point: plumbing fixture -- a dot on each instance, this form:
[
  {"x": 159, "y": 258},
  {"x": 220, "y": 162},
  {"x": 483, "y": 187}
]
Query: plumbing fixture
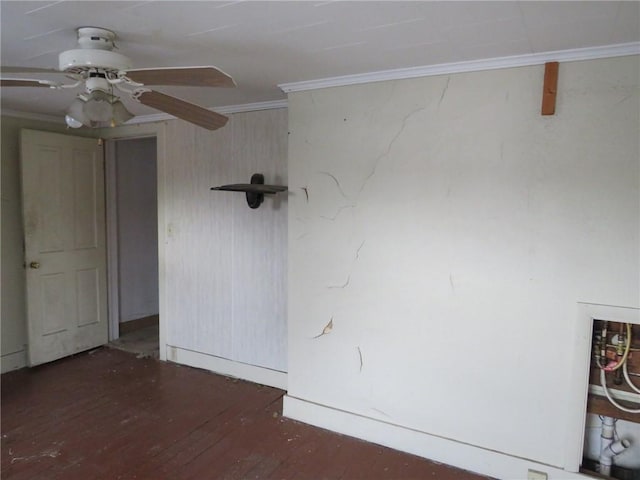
[
  {"x": 609, "y": 447},
  {"x": 616, "y": 363}
]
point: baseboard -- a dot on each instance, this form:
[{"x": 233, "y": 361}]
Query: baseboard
[
  {"x": 13, "y": 361},
  {"x": 223, "y": 366},
  {"x": 439, "y": 449}
]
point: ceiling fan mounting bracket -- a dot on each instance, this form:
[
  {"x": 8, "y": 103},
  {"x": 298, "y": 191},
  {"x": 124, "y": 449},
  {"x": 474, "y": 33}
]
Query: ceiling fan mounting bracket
[{"x": 96, "y": 38}]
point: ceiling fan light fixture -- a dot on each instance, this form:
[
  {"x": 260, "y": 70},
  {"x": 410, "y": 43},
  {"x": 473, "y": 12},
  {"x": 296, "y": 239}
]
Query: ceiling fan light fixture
[
  {"x": 96, "y": 110},
  {"x": 72, "y": 122},
  {"x": 75, "y": 117},
  {"x": 120, "y": 114}
]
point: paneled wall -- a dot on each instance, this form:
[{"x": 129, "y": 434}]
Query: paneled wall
[
  {"x": 225, "y": 264},
  {"x": 447, "y": 231}
]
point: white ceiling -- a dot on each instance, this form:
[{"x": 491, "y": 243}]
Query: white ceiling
[{"x": 265, "y": 43}]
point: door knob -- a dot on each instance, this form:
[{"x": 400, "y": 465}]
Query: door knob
[{"x": 34, "y": 265}]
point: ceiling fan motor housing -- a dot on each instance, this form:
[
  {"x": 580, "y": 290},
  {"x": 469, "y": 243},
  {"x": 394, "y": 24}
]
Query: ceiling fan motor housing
[
  {"x": 78, "y": 61},
  {"x": 95, "y": 52}
]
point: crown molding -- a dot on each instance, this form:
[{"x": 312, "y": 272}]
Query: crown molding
[
  {"x": 573, "y": 55},
  {"x": 226, "y": 110},
  {"x": 7, "y": 112},
  {"x": 155, "y": 117},
  {"x": 253, "y": 107}
]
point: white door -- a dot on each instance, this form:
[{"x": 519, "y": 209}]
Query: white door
[{"x": 65, "y": 253}]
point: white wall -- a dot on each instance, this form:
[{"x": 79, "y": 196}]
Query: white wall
[
  {"x": 225, "y": 264},
  {"x": 12, "y": 304},
  {"x": 137, "y": 224},
  {"x": 449, "y": 230}
]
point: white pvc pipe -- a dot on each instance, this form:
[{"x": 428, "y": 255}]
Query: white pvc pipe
[
  {"x": 608, "y": 447},
  {"x": 608, "y": 427},
  {"x": 610, "y": 451}
]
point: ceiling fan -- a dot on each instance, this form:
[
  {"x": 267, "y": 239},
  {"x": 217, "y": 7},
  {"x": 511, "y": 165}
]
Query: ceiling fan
[{"x": 101, "y": 71}]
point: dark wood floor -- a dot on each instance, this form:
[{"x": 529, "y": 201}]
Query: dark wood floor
[{"x": 109, "y": 415}]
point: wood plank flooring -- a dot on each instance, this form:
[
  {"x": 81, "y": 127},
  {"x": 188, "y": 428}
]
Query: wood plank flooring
[{"x": 109, "y": 415}]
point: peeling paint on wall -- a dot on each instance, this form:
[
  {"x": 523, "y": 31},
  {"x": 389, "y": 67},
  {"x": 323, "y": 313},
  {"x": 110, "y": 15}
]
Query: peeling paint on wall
[{"x": 327, "y": 329}]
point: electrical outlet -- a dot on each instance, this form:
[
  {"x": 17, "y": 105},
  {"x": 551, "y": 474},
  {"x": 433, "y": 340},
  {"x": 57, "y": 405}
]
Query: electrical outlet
[{"x": 536, "y": 475}]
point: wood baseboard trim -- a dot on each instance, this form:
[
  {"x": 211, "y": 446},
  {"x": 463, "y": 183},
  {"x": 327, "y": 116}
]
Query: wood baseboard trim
[
  {"x": 440, "y": 449},
  {"x": 13, "y": 361},
  {"x": 223, "y": 366}
]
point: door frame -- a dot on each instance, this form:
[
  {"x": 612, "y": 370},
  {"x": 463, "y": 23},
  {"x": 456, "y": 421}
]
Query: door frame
[{"x": 133, "y": 132}]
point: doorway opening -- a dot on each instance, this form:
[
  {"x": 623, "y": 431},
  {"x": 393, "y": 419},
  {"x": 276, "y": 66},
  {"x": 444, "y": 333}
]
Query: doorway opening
[{"x": 132, "y": 244}]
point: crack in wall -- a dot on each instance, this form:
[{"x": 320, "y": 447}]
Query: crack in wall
[
  {"x": 391, "y": 143},
  {"x": 444, "y": 91},
  {"x": 336, "y": 182},
  {"x": 344, "y": 285},
  {"x": 353, "y": 265},
  {"x": 380, "y": 412},
  {"x": 623, "y": 100},
  {"x": 361, "y": 361}
]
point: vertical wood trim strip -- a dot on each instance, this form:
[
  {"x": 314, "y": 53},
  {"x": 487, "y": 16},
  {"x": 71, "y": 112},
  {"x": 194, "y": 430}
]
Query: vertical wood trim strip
[
  {"x": 161, "y": 172},
  {"x": 112, "y": 239},
  {"x": 550, "y": 88}
]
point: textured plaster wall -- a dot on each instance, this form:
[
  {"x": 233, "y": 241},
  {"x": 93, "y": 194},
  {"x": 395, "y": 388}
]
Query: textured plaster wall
[{"x": 441, "y": 233}]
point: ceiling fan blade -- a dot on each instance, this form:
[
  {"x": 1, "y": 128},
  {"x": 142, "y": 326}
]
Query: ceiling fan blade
[
  {"x": 181, "y": 109},
  {"x": 19, "y": 82},
  {"x": 182, "y": 76},
  {"x": 6, "y": 69}
]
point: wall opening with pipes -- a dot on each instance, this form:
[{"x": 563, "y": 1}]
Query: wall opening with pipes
[{"x": 612, "y": 424}]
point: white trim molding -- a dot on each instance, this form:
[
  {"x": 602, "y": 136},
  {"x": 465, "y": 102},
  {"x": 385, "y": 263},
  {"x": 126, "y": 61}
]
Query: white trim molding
[
  {"x": 157, "y": 117},
  {"x": 440, "y": 449},
  {"x": 253, "y": 107},
  {"x": 573, "y": 55},
  {"x": 223, "y": 366},
  {"x": 113, "y": 296},
  {"x": 7, "y": 112},
  {"x": 13, "y": 361},
  {"x": 226, "y": 110}
]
